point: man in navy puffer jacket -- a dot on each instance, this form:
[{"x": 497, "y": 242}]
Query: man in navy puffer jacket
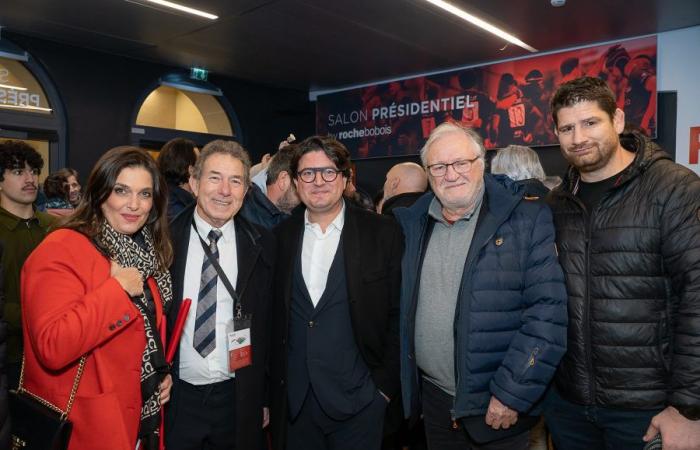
[{"x": 483, "y": 301}]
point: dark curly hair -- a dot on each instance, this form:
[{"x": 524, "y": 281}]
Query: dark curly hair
[
  {"x": 17, "y": 154},
  {"x": 334, "y": 150}
]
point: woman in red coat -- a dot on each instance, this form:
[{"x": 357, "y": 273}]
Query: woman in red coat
[{"x": 99, "y": 286}]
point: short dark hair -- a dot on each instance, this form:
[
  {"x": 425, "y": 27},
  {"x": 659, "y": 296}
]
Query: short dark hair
[
  {"x": 88, "y": 218},
  {"x": 55, "y": 186},
  {"x": 334, "y": 150},
  {"x": 175, "y": 159},
  {"x": 581, "y": 90},
  {"x": 16, "y": 154},
  {"x": 219, "y": 146},
  {"x": 281, "y": 162}
]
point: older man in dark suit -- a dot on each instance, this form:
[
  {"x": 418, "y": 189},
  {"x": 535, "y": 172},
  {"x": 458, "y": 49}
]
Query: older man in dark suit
[
  {"x": 218, "y": 393},
  {"x": 335, "y": 341}
]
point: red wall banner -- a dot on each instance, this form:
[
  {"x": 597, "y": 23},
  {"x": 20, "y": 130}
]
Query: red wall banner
[
  {"x": 508, "y": 102},
  {"x": 694, "y": 145}
]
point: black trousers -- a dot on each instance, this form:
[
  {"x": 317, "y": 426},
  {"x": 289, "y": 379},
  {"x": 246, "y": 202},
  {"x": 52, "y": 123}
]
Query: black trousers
[
  {"x": 201, "y": 417},
  {"x": 442, "y": 435},
  {"x": 313, "y": 429}
]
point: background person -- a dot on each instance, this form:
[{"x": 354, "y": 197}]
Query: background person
[
  {"x": 522, "y": 165},
  {"x": 22, "y": 228},
  {"x": 57, "y": 192},
  {"x": 275, "y": 204},
  {"x": 175, "y": 160},
  {"x": 405, "y": 183},
  {"x": 99, "y": 286},
  {"x": 73, "y": 185}
]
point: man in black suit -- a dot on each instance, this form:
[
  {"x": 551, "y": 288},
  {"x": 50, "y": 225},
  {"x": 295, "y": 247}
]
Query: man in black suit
[
  {"x": 335, "y": 340},
  {"x": 217, "y": 399}
]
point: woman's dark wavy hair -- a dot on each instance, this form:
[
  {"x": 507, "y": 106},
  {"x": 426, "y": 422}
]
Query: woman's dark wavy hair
[{"x": 88, "y": 218}]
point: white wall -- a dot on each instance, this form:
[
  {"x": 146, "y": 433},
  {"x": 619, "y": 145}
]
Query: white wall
[{"x": 678, "y": 67}]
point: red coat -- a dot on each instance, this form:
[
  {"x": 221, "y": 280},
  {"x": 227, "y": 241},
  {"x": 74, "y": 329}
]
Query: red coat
[{"x": 71, "y": 306}]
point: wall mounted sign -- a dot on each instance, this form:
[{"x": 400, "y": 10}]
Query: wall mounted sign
[{"x": 507, "y": 102}]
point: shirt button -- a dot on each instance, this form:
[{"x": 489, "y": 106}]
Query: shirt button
[
  {"x": 311, "y": 323},
  {"x": 410, "y": 356},
  {"x": 119, "y": 323},
  {"x": 111, "y": 327},
  {"x": 126, "y": 317}
]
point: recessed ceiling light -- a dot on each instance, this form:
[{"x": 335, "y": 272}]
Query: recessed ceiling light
[
  {"x": 178, "y": 7},
  {"x": 481, "y": 24}
]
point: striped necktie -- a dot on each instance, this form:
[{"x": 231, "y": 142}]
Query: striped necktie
[{"x": 205, "y": 322}]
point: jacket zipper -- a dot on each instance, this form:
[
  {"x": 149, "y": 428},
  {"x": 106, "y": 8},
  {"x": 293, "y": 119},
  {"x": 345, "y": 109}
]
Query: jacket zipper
[
  {"x": 457, "y": 348},
  {"x": 588, "y": 351}
]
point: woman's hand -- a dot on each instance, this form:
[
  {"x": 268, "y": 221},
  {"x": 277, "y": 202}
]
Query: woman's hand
[
  {"x": 165, "y": 387},
  {"x": 129, "y": 278}
]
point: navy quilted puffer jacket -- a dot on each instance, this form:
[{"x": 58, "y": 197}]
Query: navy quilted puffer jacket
[{"x": 510, "y": 323}]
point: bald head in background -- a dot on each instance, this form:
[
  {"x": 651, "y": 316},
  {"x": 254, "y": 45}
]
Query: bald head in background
[{"x": 405, "y": 182}]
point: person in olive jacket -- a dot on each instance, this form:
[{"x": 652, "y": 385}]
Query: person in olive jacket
[
  {"x": 628, "y": 233},
  {"x": 4, "y": 409}
]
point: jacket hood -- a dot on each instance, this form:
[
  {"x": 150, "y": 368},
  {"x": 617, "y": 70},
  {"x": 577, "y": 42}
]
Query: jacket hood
[{"x": 501, "y": 194}]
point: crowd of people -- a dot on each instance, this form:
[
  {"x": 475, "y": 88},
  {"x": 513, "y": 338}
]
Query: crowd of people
[{"x": 198, "y": 302}]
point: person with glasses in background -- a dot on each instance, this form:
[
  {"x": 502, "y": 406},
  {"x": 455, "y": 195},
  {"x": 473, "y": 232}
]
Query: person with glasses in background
[
  {"x": 335, "y": 348},
  {"x": 483, "y": 301}
]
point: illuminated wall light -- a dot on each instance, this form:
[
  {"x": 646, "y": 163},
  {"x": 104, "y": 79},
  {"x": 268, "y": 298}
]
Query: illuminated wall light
[
  {"x": 9, "y": 86},
  {"x": 481, "y": 24},
  {"x": 183, "y": 8},
  {"x": 31, "y": 108}
]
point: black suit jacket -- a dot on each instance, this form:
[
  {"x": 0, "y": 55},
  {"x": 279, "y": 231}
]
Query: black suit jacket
[
  {"x": 256, "y": 255},
  {"x": 372, "y": 246}
]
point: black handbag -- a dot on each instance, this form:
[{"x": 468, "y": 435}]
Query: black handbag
[{"x": 37, "y": 424}]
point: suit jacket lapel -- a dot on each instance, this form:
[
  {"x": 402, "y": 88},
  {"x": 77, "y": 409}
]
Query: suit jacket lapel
[
  {"x": 247, "y": 251},
  {"x": 181, "y": 239},
  {"x": 350, "y": 240},
  {"x": 290, "y": 255}
]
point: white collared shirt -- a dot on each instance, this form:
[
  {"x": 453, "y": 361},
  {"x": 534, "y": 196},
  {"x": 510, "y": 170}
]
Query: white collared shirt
[
  {"x": 214, "y": 368},
  {"x": 317, "y": 253}
]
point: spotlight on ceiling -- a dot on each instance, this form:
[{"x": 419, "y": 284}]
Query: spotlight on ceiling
[
  {"x": 175, "y": 6},
  {"x": 481, "y": 23}
]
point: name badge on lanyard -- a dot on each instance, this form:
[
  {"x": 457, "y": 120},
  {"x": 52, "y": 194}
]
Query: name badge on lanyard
[
  {"x": 239, "y": 341},
  {"x": 240, "y": 344}
]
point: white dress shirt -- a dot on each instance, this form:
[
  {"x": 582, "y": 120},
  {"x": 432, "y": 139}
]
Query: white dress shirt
[
  {"x": 214, "y": 368},
  {"x": 317, "y": 253}
]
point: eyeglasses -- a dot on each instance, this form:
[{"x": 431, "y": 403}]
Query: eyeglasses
[
  {"x": 328, "y": 174},
  {"x": 461, "y": 166}
]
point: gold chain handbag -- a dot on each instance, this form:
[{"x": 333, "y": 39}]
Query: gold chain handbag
[{"x": 37, "y": 424}]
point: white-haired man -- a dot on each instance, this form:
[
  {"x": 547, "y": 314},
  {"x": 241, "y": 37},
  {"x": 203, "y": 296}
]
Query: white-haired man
[{"x": 483, "y": 304}]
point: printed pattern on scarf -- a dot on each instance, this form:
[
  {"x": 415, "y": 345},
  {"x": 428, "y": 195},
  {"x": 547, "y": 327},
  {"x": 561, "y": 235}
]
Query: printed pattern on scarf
[{"x": 126, "y": 251}]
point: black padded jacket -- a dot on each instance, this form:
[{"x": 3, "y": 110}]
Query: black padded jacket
[{"x": 632, "y": 268}]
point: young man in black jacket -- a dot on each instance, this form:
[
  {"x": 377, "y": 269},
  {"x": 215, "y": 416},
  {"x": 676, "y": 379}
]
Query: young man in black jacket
[{"x": 628, "y": 233}]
